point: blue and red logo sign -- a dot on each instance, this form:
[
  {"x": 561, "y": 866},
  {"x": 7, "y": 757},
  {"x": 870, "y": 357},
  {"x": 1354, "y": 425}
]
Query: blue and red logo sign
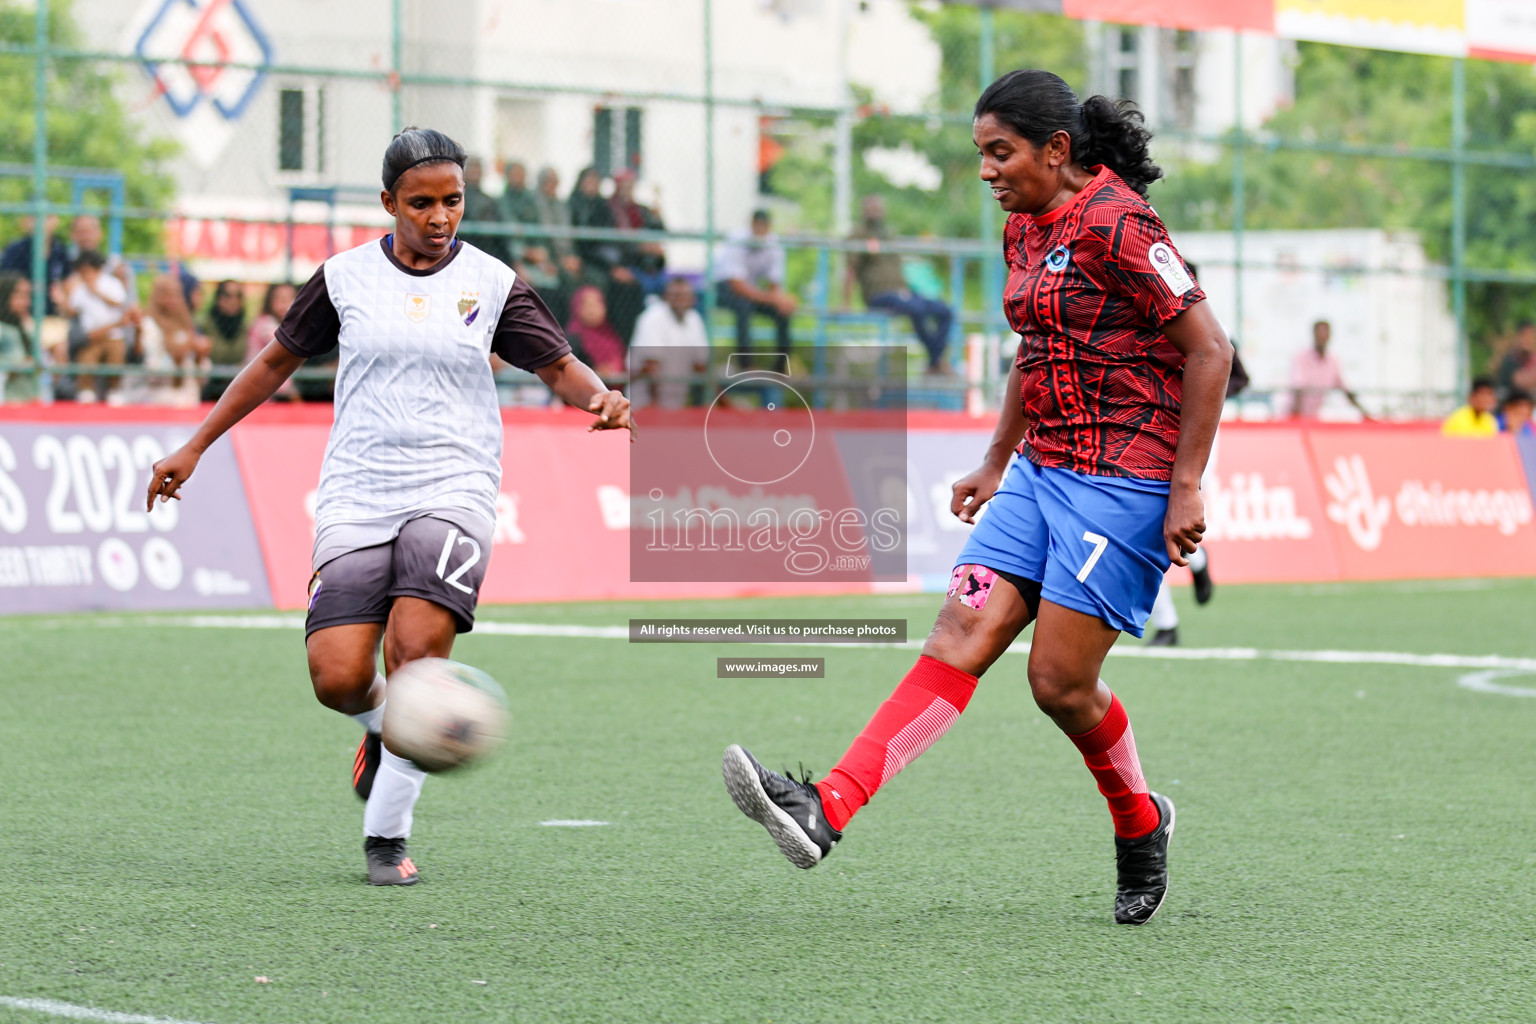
[{"x": 189, "y": 46}]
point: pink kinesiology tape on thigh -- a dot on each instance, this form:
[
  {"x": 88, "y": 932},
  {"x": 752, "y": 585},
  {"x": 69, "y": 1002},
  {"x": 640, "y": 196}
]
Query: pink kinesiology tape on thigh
[{"x": 971, "y": 585}]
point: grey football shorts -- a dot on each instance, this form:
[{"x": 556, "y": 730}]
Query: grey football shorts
[{"x": 432, "y": 558}]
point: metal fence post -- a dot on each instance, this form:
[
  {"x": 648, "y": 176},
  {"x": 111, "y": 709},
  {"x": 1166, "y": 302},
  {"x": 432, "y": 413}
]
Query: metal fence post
[
  {"x": 1459, "y": 220},
  {"x": 40, "y": 185},
  {"x": 1239, "y": 182},
  {"x": 991, "y": 290},
  {"x": 397, "y": 59},
  {"x": 709, "y": 167}
]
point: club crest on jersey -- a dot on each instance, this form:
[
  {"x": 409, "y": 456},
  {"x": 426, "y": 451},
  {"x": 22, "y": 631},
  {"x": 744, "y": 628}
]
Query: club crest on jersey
[
  {"x": 417, "y": 307},
  {"x": 1057, "y": 259},
  {"x": 469, "y": 306}
]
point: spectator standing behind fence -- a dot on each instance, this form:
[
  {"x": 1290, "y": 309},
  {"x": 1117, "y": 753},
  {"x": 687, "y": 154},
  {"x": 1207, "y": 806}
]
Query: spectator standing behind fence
[
  {"x": 883, "y": 285},
  {"x": 274, "y": 306},
  {"x": 99, "y": 304},
  {"x": 17, "y": 258},
  {"x": 480, "y": 207},
  {"x": 1517, "y": 369},
  {"x": 669, "y": 345},
  {"x": 1314, "y": 373},
  {"x": 750, "y": 269},
  {"x": 603, "y": 258},
  {"x": 590, "y": 210},
  {"x": 1515, "y": 413},
  {"x": 1475, "y": 419},
  {"x": 554, "y": 212},
  {"x": 224, "y": 324},
  {"x": 17, "y": 383},
  {"x": 646, "y": 260},
  {"x": 592, "y": 336},
  {"x": 518, "y": 206},
  {"x": 171, "y": 348}
]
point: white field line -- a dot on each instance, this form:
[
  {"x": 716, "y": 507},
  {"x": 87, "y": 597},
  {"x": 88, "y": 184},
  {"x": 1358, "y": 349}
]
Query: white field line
[
  {"x": 57, "y": 1009},
  {"x": 573, "y": 823},
  {"x": 1486, "y": 662}
]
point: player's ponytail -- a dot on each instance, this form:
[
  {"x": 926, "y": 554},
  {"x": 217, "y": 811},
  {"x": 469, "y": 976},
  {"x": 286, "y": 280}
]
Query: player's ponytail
[
  {"x": 416, "y": 146},
  {"x": 1117, "y": 137},
  {"x": 1037, "y": 104}
]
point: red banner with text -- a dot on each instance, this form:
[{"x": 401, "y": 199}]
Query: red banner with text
[
  {"x": 1283, "y": 503},
  {"x": 1403, "y": 504}
]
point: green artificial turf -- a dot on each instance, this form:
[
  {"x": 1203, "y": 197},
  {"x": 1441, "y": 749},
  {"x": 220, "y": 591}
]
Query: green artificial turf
[{"x": 1354, "y": 841}]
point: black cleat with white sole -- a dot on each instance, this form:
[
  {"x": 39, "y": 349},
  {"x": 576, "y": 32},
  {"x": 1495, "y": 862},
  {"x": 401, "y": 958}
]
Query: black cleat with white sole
[
  {"x": 388, "y": 863},
  {"x": 790, "y": 810},
  {"x": 1142, "y": 869},
  {"x": 1204, "y": 585},
  {"x": 1165, "y": 638}
]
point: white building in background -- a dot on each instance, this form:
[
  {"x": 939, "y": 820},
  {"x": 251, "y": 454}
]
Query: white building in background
[
  {"x": 1190, "y": 80},
  {"x": 248, "y": 138},
  {"x": 1393, "y": 332}
]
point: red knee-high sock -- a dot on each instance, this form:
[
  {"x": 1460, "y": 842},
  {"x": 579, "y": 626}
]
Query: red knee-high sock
[
  {"x": 922, "y": 709},
  {"x": 1109, "y": 749}
]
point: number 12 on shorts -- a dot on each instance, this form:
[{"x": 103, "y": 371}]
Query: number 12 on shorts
[
  {"x": 1099, "y": 544},
  {"x": 452, "y": 579}
]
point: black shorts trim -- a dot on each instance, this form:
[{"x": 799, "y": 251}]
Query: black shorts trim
[
  {"x": 463, "y": 623},
  {"x": 1028, "y": 589},
  {"x": 313, "y": 625}
]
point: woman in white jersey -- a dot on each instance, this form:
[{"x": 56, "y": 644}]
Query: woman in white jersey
[{"x": 407, "y": 500}]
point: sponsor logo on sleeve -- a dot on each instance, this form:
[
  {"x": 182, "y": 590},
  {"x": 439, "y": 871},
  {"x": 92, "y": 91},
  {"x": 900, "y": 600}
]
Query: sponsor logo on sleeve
[{"x": 1170, "y": 268}]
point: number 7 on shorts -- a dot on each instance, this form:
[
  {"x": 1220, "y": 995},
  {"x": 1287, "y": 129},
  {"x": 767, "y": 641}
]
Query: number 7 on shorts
[{"x": 1099, "y": 544}]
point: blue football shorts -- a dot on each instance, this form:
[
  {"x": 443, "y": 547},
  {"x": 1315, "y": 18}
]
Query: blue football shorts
[{"x": 1093, "y": 543}]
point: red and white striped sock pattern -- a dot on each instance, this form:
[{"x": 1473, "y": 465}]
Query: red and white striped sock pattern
[
  {"x": 922, "y": 708},
  {"x": 917, "y": 736},
  {"x": 1109, "y": 750}
]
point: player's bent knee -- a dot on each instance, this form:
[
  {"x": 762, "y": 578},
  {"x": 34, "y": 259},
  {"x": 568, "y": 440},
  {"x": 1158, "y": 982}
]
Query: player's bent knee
[
  {"x": 1059, "y": 694},
  {"x": 342, "y": 684},
  {"x": 968, "y": 642},
  {"x": 343, "y": 690}
]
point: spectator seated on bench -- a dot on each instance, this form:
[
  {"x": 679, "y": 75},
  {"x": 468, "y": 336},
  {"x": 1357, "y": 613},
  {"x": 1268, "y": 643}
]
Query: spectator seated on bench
[{"x": 884, "y": 286}]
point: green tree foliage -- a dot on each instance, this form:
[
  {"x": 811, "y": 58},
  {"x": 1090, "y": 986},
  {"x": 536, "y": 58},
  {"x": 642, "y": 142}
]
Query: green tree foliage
[
  {"x": 1357, "y": 96},
  {"x": 87, "y": 124},
  {"x": 942, "y": 134},
  {"x": 1020, "y": 40}
]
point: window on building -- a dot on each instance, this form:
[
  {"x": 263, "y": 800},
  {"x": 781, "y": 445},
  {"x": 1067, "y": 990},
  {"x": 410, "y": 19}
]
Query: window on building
[
  {"x": 1127, "y": 63},
  {"x": 616, "y": 139},
  {"x": 301, "y": 129},
  {"x": 1184, "y": 47}
]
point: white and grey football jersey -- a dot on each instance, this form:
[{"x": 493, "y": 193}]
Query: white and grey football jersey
[{"x": 417, "y": 423}]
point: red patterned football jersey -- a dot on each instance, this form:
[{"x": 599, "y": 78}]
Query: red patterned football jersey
[{"x": 1090, "y": 285}]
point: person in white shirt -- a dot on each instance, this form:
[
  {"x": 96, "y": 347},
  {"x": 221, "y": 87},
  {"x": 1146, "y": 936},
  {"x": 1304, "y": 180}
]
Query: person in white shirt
[
  {"x": 669, "y": 345},
  {"x": 99, "y": 304},
  {"x": 750, "y": 270},
  {"x": 408, "y": 488},
  {"x": 170, "y": 348}
]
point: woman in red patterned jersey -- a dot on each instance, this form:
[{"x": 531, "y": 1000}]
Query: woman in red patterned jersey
[{"x": 1111, "y": 407}]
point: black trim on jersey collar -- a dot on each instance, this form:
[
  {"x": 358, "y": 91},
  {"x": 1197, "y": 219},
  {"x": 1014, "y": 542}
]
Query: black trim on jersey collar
[{"x": 387, "y": 244}]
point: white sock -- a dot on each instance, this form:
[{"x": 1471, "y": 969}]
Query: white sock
[
  {"x": 1164, "y": 614},
  {"x": 392, "y": 804},
  {"x": 1197, "y": 560},
  {"x": 373, "y": 721}
]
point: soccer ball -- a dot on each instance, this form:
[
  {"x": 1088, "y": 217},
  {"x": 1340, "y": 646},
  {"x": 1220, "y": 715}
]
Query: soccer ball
[{"x": 442, "y": 714}]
